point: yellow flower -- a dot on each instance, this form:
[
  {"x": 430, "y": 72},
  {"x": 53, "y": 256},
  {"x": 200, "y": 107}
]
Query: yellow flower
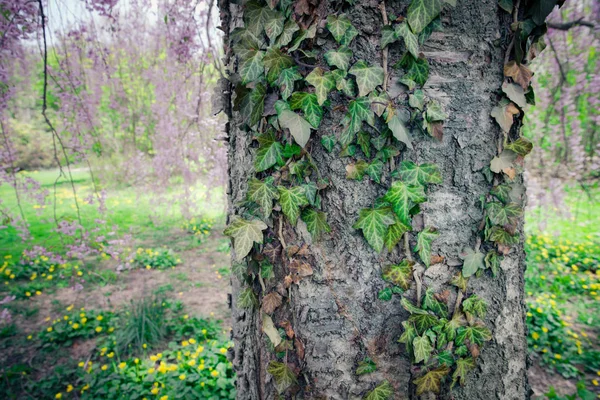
[
  {"x": 104, "y": 367},
  {"x": 69, "y": 388},
  {"x": 151, "y": 371},
  {"x": 154, "y": 391},
  {"x": 215, "y": 373},
  {"x": 122, "y": 365},
  {"x": 70, "y": 307},
  {"x": 557, "y": 356},
  {"x": 539, "y": 310},
  {"x": 164, "y": 397},
  {"x": 137, "y": 361},
  {"x": 58, "y": 396},
  {"x": 99, "y": 329},
  {"x": 200, "y": 349},
  {"x": 535, "y": 335},
  {"x": 81, "y": 364},
  {"x": 148, "y": 267},
  {"x": 544, "y": 329},
  {"x": 28, "y": 294},
  {"x": 29, "y": 337},
  {"x": 110, "y": 355},
  {"x": 202, "y": 384},
  {"x": 37, "y": 293},
  {"x": 182, "y": 377},
  {"x": 49, "y": 329},
  {"x": 204, "y": 331},
  {"x": 99, "y": 317},
  {"x": 192, "y": 341},
  {"x": 75, "y": 325},
  {"x": 223, "y": 350},
  {"x": 83, "y": 320},
  {"x": 191, "y": 363},
  {"x": 595, "y": 382},
  {"x": 144, "y": 345}
]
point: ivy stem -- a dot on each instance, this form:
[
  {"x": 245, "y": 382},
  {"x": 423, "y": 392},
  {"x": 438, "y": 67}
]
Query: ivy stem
[
  {"x": 419, "y": 284},
  {"x": 281, "y": 239},
  {"x": 459, "y": 298},
  {"x": 407, "y": 252},
  {"x": 512, "y": 42},
  {"x": 384, "y": 51}
]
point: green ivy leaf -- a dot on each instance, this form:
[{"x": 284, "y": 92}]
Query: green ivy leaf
[
  {"x": 472, "y": 262},
  {"x": 463, "y": 367},
  {"x": 350, "y": 34},
  {"x": 367, "y": 78},
  {"x": 403, "y": 197},
  {"x": 252, "y": 67},
  {"x": 328, "y": 141},
  {"x": 407, "y": 337},
  {"x": 309, "y": 104},
  {"x": 502, "y": 192},
  {"x": 422, "y": 349},
  {"x": 286, "y": 81},
  {"x": 338, "y": 25},
  {"x": 423, "y": 322},
  {"x": 379, "y": 142},
  {"x": 417, "y": 70},
  {"x": 375, "y": 170},
  {"x": 445, "y": 358},
  {"x": 432, "y": 381},
  {"x": 323, "y": 83},
  {"x": 374, "y": 223},
  {"x": 316, "y": 222},
  {"x": 274, "y": 25},
  {"x": 475, "y": 305},
  {"x": 244, "y": 233},
  {"x": 380, "y": 102},
  {"x": 383, "y": 391},
  {"x": 435, "y": 112},
  {"x": 270, "y": 152},
  {"x": 411, "y": 308},
  {"x": 303, "y": 35},
  {"x": 356, "y": 171},
  {"x": 492, "y": 261},
  {"x": 423, "y": 174},
  {"x": 263, "y": 193},
  {"x": 433, "y": 304},
  {"x": 521, "y": 146},
  {"x": 450, "y": 327},
  {"x": 283, "y": 375},
  {"x": 395, "y": 232},
  {"x": 424, "y": 240},
  {"x": 358, "y": 112},
  {"x": 364, "y": 141},
  {"x": 298, "y": 126},
  {"x": 291, "y": 150},
  {"x": 366, "y": 366},
  {"x": 417, "y": 99},
  {"x": 399, "y": 131},
  {"x": 460, "y": 282},
  {"x": 275, "y": 62},
  {"x": 247, "y": 299},
  {"x": 400, "y": 275},
  {"x": 422, "y": 12},
  {"x": 435, "y": 25},
  {"x": 501, "y": 236},
  {"x": 476, "y": 334},
  {"x": 410, "y": 39},
  {"x": 385, "y": 294},
  {"x": 346, "y": 86},
  {"x": 506, "y": 5},
  {"x": 388, "y": 36},
  {"x": 502, "y": 214},
  {"x": 339, "y": 58},
  {"x": 310, "y": 191},
  {"x": 257, "y": 103},
  {"x": 287, "y": 35},
  {"x": 291, "y": 200}
]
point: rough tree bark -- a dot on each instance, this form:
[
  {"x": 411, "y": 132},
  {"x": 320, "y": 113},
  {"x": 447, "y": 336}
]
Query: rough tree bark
[{"x": 336, "y": 312}]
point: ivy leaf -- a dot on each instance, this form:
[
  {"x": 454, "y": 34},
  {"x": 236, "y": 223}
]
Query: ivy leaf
[
  {"x": 463, "y": 367},
  {"x": 424, "y": 240},
  {"x": 460, "y": 282},
  {"x": 475, "y": 334},
  {"x": 291, "y": 200},
  {"x": 445, "y": 358},
  {"x": 338, "y": 25},
  {"x": 501, "y": 236},
  {"x": 323, "y": 83},
  {"x": 433, "y": 304},
  {"x": 346, "y": 86},
  {"x": 316, "y": 222},
  {"x": 328, "y": 141},
  {"x": 270, "y": 152},
  {"x": 388, "y": 36},
  {"x": 422, "y": 348},
  {"x": 364, "y": 141},
  {"x": 357, "y": 170},
  {"x": 385, "y": 294},
  {"x": 501, "y": 214},
  {"x": 256, "y": 16},
  {"x": 367, "y": 78},
  {"x": 374, "y": 222},
  {"x": 395, "y": 232},
  {"x": 379, "y": 142},
  {"x": 432, "y": 380},
  {"x": 269, "y": 329},
  {"x": 283, "y": 375},
  {"x": 506, "y": 5},
  {"x": 298, "y": 126},
  {"x": 502, "y": 192},
  {"x": 375, "y": 170},
  {"x": 263, "y": 193},
  {"x": 410, "y": 39},
  {"x": 422, "y": 12},
  {"x": 309, "y": 104},
  {"x": 400, "y": 275},
  {"x": 411, "y": 308},
  {"x": 257, "y": 103},
  {"x": 423, "y": 321},
  {"x": 247, "y": 299},
  {"x": 403, "y": 197},
  {"x": 435, "y": 112},
  {"x": 417, "y": 70},
  {"x": 339, "y": 58},
  {"x": 407, "y": 337},
  {"x": 383, "y": 391},
  {"x": 274, "y": 25},
  {"x": 472, "y": 262},
  {"x": 310, "y": 191},
  {"x": 304, "y": 34},
  {"x": 286, "y": 81},
  {"x": 475, "y": 305},
  {"x": 275, "y": 62},
  {"x": 492, "y": 261},
  {"x": 287, "y": 35},
  {"x": 252, "y": 67},
  {"x": 417, "y": 99},
  {"x": 503, "y": 161},
  {"x": 414, "y": 174},
  {"x": 366, "y": 367},
  {"x": 358, "y": 111},
  {"x": 520, "y": 73},
  {"x": 503, "y": 114},
  {"x": 244, "y": 233},
  {"x": 399, "y": 131},
  {"x": 515, "y": 93},
  {"x": 521, "y": 146},
  {"x": 450, "y": 327},
  {"x": 434, "y": 25},
  {"x": 350, "y": 34},
  {"x": 271, "y": 302},
  {"x": 380, "y": 102}
]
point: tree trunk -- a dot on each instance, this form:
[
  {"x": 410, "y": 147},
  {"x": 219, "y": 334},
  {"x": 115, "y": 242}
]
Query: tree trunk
[{"x": 335, "y": 314}]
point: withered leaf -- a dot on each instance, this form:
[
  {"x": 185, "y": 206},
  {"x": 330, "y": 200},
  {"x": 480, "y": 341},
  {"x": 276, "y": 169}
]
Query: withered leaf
[
  {"x": 519, "y": 73},
  {"x": 270, "y": 302},
  {"x": 287, "y": 326},
  {"x": 299, "y": 348}
]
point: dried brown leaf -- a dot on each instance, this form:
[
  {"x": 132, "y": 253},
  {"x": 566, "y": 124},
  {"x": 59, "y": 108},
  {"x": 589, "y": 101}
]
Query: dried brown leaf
[
  {"x": 270, "y": 302},
  {"x": 519, "y": 73}
]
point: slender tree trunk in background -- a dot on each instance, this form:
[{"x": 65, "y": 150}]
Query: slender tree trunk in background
[{"x": 336, "y": 313}]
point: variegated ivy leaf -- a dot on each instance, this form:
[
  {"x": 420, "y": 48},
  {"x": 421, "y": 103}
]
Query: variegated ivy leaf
[
  {"x": 309, "y": 104},
  {"x": 367, "y": 78},
  {"x": 503, "y": 161},
  {"x": 339, "y": 58},
  {"x": 316, "y": 222},
  {"x": 257, "y": 102},
  {"x": 380, "y": 103},
  {"x": 400, "y": 275},
  {"x": 435, "y": 112},
  {"x": 364, "y": 141},
  {"x": 287, "y": 35},
  {"x": 423, "y": 174},
  {"x": 501, "y": 236},
  {"x": 298, "y": 126},
  {"x": 463, "y": 367},
  {"x": 399, "y": 131},
  {"x": 475, "y": 334},
  {"x": 256, "y": 16},
  {"x": 247, "y": 299},
  {"x": 275, "y": 62},
  {"x": 383, "y": 391},
  {"x": 323, "y": 83},
  {"x": 475, "y": 305},
  {"x": 422, "y": 348},
  {"x": 472, "y": 262},
  {"x": 328, "y": 141},
  {"x": 350, "y": 34},
  {"x": 502, "y": 214},
  {"x": 407, "y": 337},
  {"x": 424, "y": 240},
  {"x": 410, "y": 39},
  {"x": 282, "y": 374},
  {"x": 432, "y": 304},
  {"x": 291, "y": 201},
  {"x": 263, "y": 193},
  {"x": 366, "y": 367},
  {"x": 417, "y": 70},
  {"x": 274, "y": 25},
  {"x": 304, "y": 34},
  {"x": 244, "y": 233},
  {"x": 375, "y": 170},
  {"x": 422, "y": 12},
  {"x": 388, "y": 36},
  {"x": 374, "y": 223},
  {"x": 286, "y": 81},
  {"x": 358, "y": 111},
  {"x": 343, "y": 84},
  {"x": 270, "y": 152},
  {"x": 252, "y": 67},
  {"x": 403, "y": 197},
  {"x": 338, "y": 25},
  {"x": 357, "y": 170},
  {"x": 431, "y": 382},
  {"x": 395, "y": 231},
  {"x": 521, "y": 146}
]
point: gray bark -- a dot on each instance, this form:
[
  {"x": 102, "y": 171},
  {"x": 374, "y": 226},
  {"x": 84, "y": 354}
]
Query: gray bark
[{"x": 336, "y": 312}]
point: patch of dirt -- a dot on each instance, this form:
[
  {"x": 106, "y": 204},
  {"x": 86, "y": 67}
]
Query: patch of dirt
[{"x": 541, "y": 379}]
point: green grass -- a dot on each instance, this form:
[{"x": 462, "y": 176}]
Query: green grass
[{"x": 128, "y": 210}]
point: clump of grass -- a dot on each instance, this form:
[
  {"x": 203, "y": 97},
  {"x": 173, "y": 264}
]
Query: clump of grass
[{"x": 144, "y": 325}]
